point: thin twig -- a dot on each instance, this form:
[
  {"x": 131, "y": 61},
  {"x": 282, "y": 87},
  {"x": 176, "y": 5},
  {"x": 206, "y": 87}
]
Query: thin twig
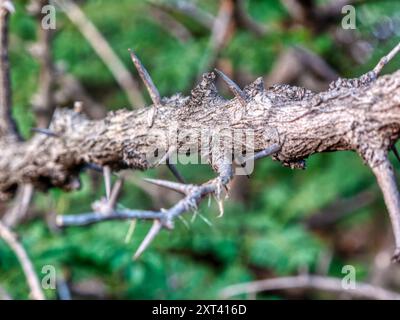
[
  {"x": 219, "y": 34},
  {"x": 385, "y": 60},
  {"x": 4, "y": 294},
  {"x": 43, "y": 99},
  {"x": 20, "y": 208},
  {"x": 8, "y": 126},
  {"x": 171, "y": 25},
  {"x": 188, "y": 9},
  {"x": 104, "y": 50},
  {"x": 387, "y": 182},
  {"x": 33, "y": 281},
  {"x": 362, "y": 290}
]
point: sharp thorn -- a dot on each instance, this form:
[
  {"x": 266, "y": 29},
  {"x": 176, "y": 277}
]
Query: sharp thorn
[
  {"x": 131, "y": 230},
  {"x": 78, "y": 106},
  {"x": 205, "y": 220},
  {"x": 178, "y": 187},
  {"x": 267, "y": 152},
  {"x": 221, "y": 208},
  {"x": 154, "y": 230},
  {"x": 175, "y": 172},
  {"x": 185, "y": 223},
  {"x": 396, "y": 153},
  {"x": 239, "y": 94},
  {"x": 264, "y": 153},
  {"x": 144, "y": 75},
  {"x": 150, "y": 117},
  {"x": 115, "y": 193},
  {"x": 194, "y": 216},
  {"x": 107, "y": 181},
  {"x": 46, "y": 132}
]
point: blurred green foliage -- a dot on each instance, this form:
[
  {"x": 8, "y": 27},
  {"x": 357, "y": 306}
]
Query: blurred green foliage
[{"x": 264, "y": 236}]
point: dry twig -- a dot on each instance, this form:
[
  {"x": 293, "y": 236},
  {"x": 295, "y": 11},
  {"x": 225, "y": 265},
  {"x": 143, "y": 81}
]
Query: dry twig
[
  {"x": 321, "y": 283},
  {"x": 34, "y": 284},
  {"x": 103, "y": 49}
]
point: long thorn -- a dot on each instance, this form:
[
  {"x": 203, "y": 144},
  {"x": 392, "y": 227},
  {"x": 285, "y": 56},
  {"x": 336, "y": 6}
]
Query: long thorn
[
  {"x": 144, "y": 75},
  {"x": 46, "y": 132},
  {"x": 178, "y": 187},
  {"x": 396, "y": 153},
  {"x": 239, "y": 94},
  {"x": 175, "y": 172},
  {"x": 208, "y": 222},
  {"x": 131, "y": 230},
  {"x": 154, "y": 230},
  {"x": 386, "y": 59},
  {"x": 184, "y": 222},
  {"x": 115, "y": 192},
  {"x": 107, "y": 180},
  {"x": 264, "y": 153}
]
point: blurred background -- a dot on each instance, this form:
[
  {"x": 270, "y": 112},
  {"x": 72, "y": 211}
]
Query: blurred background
[{"x": 280, "y": 222}]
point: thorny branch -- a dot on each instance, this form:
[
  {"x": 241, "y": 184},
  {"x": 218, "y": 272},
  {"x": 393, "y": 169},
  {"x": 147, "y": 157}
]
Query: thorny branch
[
  {"x": 72, "y": 140},
  {"x": 289, "y": 123}
]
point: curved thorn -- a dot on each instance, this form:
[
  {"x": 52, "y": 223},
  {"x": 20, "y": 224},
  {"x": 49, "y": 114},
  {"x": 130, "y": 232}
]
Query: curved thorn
[
  {"x": 144, "y": 75},
  {"x": 239, "y": 94},
  {"x": 175, "y": 186},
  {"x": 154, "y": 230}
]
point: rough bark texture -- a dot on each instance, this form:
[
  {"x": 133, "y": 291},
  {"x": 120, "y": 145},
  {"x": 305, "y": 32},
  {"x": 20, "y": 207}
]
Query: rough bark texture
[{"x": 361, "y": 115}]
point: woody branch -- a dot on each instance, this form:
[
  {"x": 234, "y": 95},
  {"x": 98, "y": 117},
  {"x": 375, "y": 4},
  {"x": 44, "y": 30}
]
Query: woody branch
[{"x": 290, "y": 123}]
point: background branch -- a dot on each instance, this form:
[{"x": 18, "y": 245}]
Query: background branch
[
  {"x": 33, "y": 282},
  {"x": 362, "y": 290},
  {"x": 8, "y": 127},
  {"x": 104, "y": 51}
]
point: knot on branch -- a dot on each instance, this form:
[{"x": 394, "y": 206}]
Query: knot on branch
[
  {"x": 284, "y": 92},
  {"x": 204, "y": 91},
  {"x": 364, "y": 80},
  {"x": 254, "y": 88}
]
